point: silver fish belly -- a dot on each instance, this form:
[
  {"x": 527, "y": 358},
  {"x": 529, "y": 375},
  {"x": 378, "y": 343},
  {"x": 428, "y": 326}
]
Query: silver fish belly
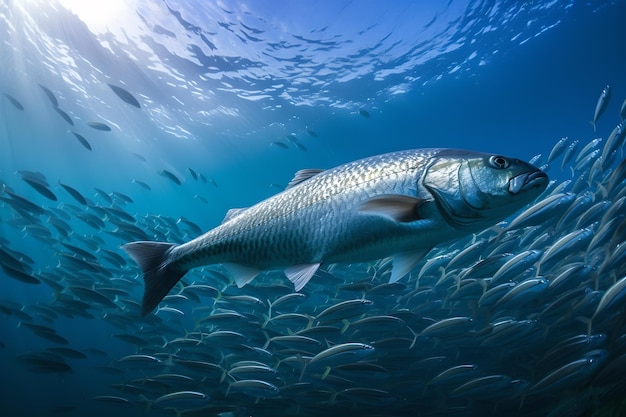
[{"x": 400, "y": 204}]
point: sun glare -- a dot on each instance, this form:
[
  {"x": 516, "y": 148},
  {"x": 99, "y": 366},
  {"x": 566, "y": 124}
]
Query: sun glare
[{"x": 99, "y": 16}]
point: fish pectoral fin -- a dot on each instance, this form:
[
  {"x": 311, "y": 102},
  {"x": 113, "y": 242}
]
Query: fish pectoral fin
[
  {"x": 232, "y": 213},
  {"x": 301, "y": 274},
  {"x": 403, "y": 263},
  {"x": 242, "y": 274},
  {"x": 303, "y": 175},
  {"x": 401, "y": 208}
]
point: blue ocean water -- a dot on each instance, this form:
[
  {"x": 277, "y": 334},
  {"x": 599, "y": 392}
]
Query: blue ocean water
[{"x": 246, "y": 94}]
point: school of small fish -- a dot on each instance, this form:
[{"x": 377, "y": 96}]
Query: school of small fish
[{"x": 524, "y": 318}]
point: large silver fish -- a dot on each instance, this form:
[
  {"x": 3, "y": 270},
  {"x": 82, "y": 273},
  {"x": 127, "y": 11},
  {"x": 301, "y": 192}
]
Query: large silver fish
[{"x": 398, "y": 205}]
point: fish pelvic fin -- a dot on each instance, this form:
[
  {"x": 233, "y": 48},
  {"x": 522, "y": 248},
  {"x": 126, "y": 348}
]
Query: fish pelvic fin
[
  {"x": 301, "y": 274},
  {"x": 158, "y": 274}
]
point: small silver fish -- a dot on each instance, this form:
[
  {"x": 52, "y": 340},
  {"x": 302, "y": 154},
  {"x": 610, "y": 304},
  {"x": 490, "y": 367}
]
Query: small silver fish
[
  {"x": 14, "y": 101},
  {"x": 167, "y": 174},
  {"x": 569, "y": 153},
  {"x": 558, "y": 149},
  {"x": 571, "y": 374},
  {"x": 82, "y": 141},
  {"x": 254, "y": 388},
  {"x": 99, "y": 126},
  {"x": 74, "y": 193},
  {"x": 280, "y": 144},
  {"x": 615, "y": 140},
  {"x": 189, "y": 396},
  {"x": 480, "y": 386},
  {"x": 611, "y": 297},
  {"x": 603, "y": 100},
  {"x": 342, "y": 353},
  {"x": 64, "y": 115},
  {"x": 50, "y": 95},
  {"x": 125, "y": 95},
  {"x": 111, "y": 399}
]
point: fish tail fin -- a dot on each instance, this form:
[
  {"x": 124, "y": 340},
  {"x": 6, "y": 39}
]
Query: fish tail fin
[{"x": 158, "y": 275}]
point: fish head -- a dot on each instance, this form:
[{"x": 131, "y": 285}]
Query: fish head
[{"x": 475, "y": 190}]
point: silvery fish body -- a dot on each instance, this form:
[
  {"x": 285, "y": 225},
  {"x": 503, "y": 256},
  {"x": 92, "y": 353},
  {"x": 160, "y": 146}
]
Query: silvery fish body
[
  {"x": 603, "y": 101},
  {"x": 399, "y": 204}
]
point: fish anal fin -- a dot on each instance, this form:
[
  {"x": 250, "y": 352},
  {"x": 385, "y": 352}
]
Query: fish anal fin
[
  {"x": 158, "y": 275},
  {"x": 301, "y": 274},
  {"x": 403, "y": 263},
  {"x": 401, "y": 208},
  {"x": 303, "y": 175},
  {"x": 242, "y": 274}
]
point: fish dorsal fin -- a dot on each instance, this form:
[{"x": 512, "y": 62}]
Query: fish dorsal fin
[
  {"x": 232, "y": 213},
  {"x": 241, "y": 274},
  {"x": 403, "y": 263},
  {"x": 301, "y": 274},
  {"x": 401, "y": 208},
  {"x": 303, "y": 175}
]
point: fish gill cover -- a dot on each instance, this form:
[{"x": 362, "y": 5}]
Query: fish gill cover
[{"x": 149, "y": 120}]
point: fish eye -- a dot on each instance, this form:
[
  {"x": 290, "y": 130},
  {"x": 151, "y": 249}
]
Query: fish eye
[{"x": 499, "y": 162}]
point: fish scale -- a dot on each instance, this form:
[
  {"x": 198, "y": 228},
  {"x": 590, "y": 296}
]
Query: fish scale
[{"x": 359, "y": 180}]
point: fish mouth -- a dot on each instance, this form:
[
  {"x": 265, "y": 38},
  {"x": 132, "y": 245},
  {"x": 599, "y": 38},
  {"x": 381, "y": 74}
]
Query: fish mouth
[{"x": 528, "y": 181}]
